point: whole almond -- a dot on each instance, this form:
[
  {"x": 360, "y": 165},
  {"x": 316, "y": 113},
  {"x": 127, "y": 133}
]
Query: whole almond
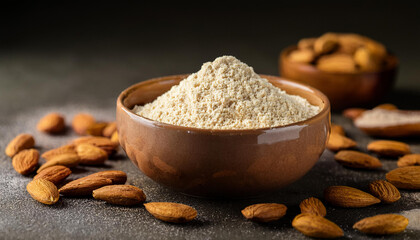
[
  {"x": 264, "y": 212},
  {"x": 115, "y": 138},
  {"x": 337, "y": 63},
  {"x": 116, "y": 176},
  {"x": 355, "y": 159},
  {"x": 313, "y": 206},
  {"x": 326, "y": 43},
  {"x": 84, "y": 186},
  {"x": 101, "y": 142},
  {"x": 26, "y": 161},
  {"x": 386, "y": 106},
  {"x": 51, "y": 123},
  {"x": 125, "y": 195},
  {"x": 350, "y": 42},
  {"x": 376, "y": 48},
  {"x": 385, "y": 191},
  {"x": 70, "y": 148},
  {"x": 348, "y": 197},
  {"x": 409, "y": 160},
  {"x": 302, "y": 56},
  {"x": 54, "y": 174},
  {"x": 353, "y": 113},
  {"x": 65, "y": 159},
  {"x": 405, "y": 177},
  {"x": 96, "y": 129},
  {"x": 90, "y": 154},
  {"x": 367, "y": 61},
  {"x": 171, "y": 212},
  {"x": 388, "y": 148},
  {"x": 20, "y": 142},
  {"x": 43, "y": 191},
  {"x": 316, "y": 226},
  {"x": 383, "y": 224},
  {"x": 81, "y": 122},
  {"x": 109, "y": 129},
  {"x": 337, "y": 129},
  {"x": 338, "y": 142},
  {"x": 306, "y": 43}
]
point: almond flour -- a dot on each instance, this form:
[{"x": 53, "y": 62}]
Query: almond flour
[{"x": 227, "y": 94}]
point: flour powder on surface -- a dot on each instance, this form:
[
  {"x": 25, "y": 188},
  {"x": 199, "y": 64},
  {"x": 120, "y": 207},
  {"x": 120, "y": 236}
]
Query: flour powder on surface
[{"x": 227, "y": 94}]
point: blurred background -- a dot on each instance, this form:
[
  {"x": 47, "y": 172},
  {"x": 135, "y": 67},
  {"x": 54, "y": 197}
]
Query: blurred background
[{"x": 78, "y": 53}]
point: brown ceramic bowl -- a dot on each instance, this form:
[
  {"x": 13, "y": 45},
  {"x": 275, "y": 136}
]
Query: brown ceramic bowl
[
  {"x": 221, "y": 163},
  {"x": 343, "y": 89}
]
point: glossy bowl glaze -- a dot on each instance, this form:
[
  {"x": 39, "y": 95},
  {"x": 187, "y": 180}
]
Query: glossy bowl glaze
[
  {"x": 364, "y": 89},
  {"x": 221, "y": 163}
]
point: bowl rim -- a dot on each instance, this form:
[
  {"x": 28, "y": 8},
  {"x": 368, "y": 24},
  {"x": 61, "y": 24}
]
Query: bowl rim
[{"x": 126, "y": 92}]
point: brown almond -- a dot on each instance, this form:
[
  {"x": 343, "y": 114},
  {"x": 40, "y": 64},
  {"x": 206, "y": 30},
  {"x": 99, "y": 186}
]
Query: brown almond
[
  {"x": 115, "y": 138},
  {"x": 125, "y": 195},
  {"x": 54, "y": 174},
  {"x": 335, "y": 128},
  {"x": 101, "y": 142},
  {"x": 51, "y": 123},
  {"x": 171, "y": 212},
  {"x": 382, "y": 224},
  {"x": 84, "y": 186},
  {"x": 405, "y": 177},
  {"x": 116, "y": 176},
  {"x": 376, "y": 48},
  {"x": 353, "y": 113},
  {"x": 313, "y": 206},
  {"x": 20, "y": 142},
  {"x": 367, "y": 61},
  {"x": 388, "y": 148},
  {"x": 306, "y": 43},
  {"x": 43, "y": 191},
  {"x": 385, "y": 191},
  {"x": 337, "y": 63},
  {"x": 326, "y": 43},
  {"x": 58, "y": 151},
  {"x": 302, "y": 56},
  {"x": 81, "y": 122},
  {"x": 91, "y": 155},
  {"x": 337, "y": 142},
  {"x": 348, "y": 197},
  {"x": 409, "y": 160},
  {"x": 264, "y": 212},
  {"x": 96, "y": 129},
  {"x": 109, "y": 129},
  {"x": 386, "y": 106},
  {"x": 66, "y": 159},
  {"x": 355, "y": 159},
  {"x": 26, "y": 161},
  {"x": 316, "y": 226},
  {"x": 350, "y": 42}
]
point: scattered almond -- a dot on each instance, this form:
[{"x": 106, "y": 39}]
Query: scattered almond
[
  {"x": 316, "y": 226},
  {"x": 313, "y": 206},
  {"x": 26, "y": 161},
  {"x": 90, "y": 154},
  {"x": 43, "y": 191},
  {"x": 81, "y": 122},
  {"x": 51, "y": 123},
  {"x": 302, "y": 55},
  {"x": 116, "y": 176},
  {"x": 96, "y": 129},
  {"x": 405, "y": 177},
  {"x": 355, "y": 159},
  {"x": 171, "y": 212},
  {"x": 264, "y": 212},
  {"x": 409, "y": 160},
  {"x": 101, "y": 142},
  {"x": 65, "y": 159},
  {"x": 58, "y": 151},
  {"x": 20, "y": 142},
  {"x": 115, "y": 138},
  {"x": 353, "y": 113},
  {"x": 338, "y": 142},
  {"x": 54, "y": 174},
  {"x": 343, "y": 196},
  {"x": 388, "y": 148},
  {"x": 84, "y": 186},
  {"x": 125, "y": 195},
  {"x": 385, "y": 191},
  {"x": 109, "y": 129},
  {"x": 383, "y": 224},
  {"x": 337, "y": 63},
  {"x": 335, "y": 128}
]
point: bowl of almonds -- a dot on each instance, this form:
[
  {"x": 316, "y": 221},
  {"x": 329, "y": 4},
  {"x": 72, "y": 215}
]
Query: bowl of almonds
[{"x": 352, "y": 70}]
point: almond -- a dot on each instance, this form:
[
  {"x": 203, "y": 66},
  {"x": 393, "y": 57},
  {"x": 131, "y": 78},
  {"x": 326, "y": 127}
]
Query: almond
[
  {"x": 388, "y": 148},
  {"x": 58, "y": 151},
  {"x": 353, "y": 113},
  {"x": 65, "y": 159},
  {"x": 386, "y": 106},
  {"x": 376, "y": 48},
  {"x": 313, "y": 206},
  {"x": 101, "y": 142},
  {"x": 125, "y": 195},
  {"x": 382, "y": 224},
  {"x": 43, "y": 191},
  {"x": 81, "y": 122},
  {"x": 306, "y": 43},
  {"x": 20, "y": 142},
  {"x": 350, "y": 42},
  {"x": 26, "y": 161},
  {"x": 326, "y": 43},
  {"x": 84, "y": 186},
  {"x": 316, "y": 226},
  {"x": 355, "y": 159},
  {"x": 171, "y": 212},
  {"x": 343, "y": 196},
  {"x": 405, "y": 177},
  {"x": 338, "y": 142},
  {"x": 116, "y": 176},
  {"x": 302, "y": 56},
  {"x": 96, "y": 129},
  {"x": 385, "y": 191},
  {"x": 91, "y": 155},
  {"x": 337, "y": 63},
  {"x": 109, "y": 129},
  {"x": 54, "y": 174},
  {"x": 409, "y": 160},
  {"x": 264, "y": 212},
  {"x": 51, "y": 123},
  {"x": 115, "y": 138},
  {"x": 335, "y": 128},
  {"x": 367, "y": 61}
]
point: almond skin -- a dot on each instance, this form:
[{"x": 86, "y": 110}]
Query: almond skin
[
  {"x": 353, "y": 113},
  {"x": 43, "y": 191},
  {"x": 96, "y": 129},
  {"x": 171, "y": 212},
  {"x": 109, "y": 129},
  {"x": 81, "y": 122},
  {"x": 54, "y": 174},
  {"x": 20, "y": 142},
  {"x": 125, "y": 195},
  {"x": 348, "y": 197},
  {"x": 385, "y": 191},
  {"x": 383, "y": 224},
  {"x": 66, "y": 159},
  {"x": 388, "y": 148},
  {"x": 355, "y": 159},
  {"x": 313, "y": 206},
  {"x": 116, "y": 176},
  {"x": 101, "y": 142},
  {"x": 409, "y": 160},
  {"x": 405, "y": 177},
  {"x": 26, "y": 161},
  {"x": 91, "y": 155},
  {"x": 70, "y": 148},
  {"x": 264, "y": 212},
  {"x": 316, "y": 226},
  {"x": 52, "y": 123},
  {"x": 84, "y": 186},
  {"x": 338, "y": 142}
]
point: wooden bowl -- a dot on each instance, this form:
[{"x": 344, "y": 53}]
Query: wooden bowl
[
  {"x": 221, "y": 163},
  {"x": 364, "y": 89}
]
